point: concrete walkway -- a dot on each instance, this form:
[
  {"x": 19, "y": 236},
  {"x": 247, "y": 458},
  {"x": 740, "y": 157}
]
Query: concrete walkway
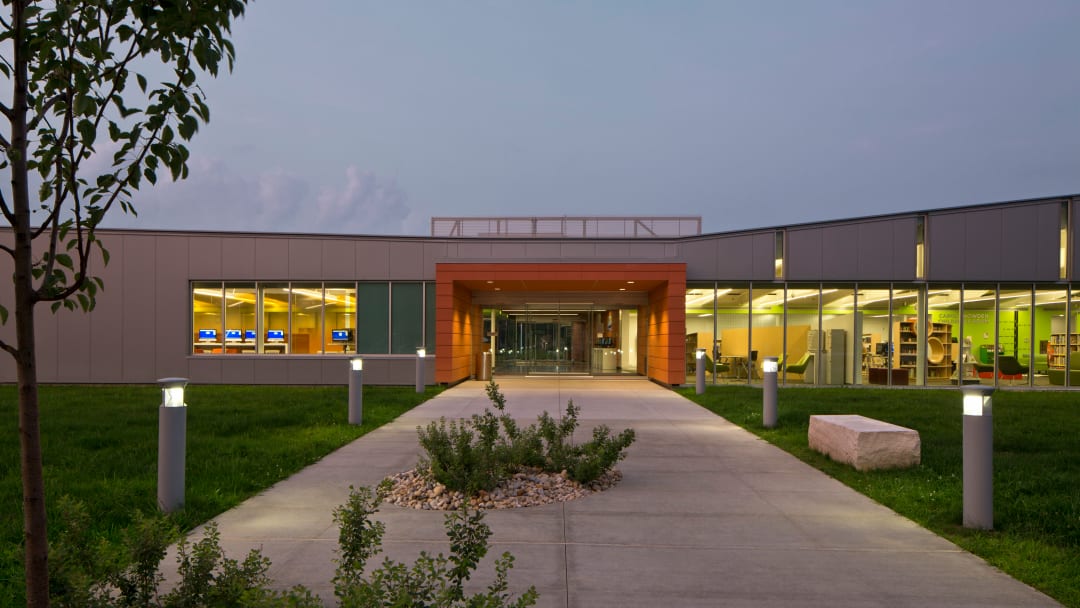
[{"x": 706, "y": 515}]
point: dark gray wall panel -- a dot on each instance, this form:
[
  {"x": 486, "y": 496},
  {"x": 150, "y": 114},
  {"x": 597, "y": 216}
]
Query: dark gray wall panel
[
  {"x": 172, "y": 307},
  {"x": 734, "y": 258},
  {"x": 406, "y": 260},
  {"x": 271, "y": 259},
  {"x": 338, "y": 260},
  {"x": 946, "y": 247},
  {"x": 619, "y": 251},
  {"x": 875, "y": 246},
  {"x": 983, "y": 232},
  {"x": 238, "y": 370},
  {"x": 474, "y": 252},
  {"x": 305, "y": 371},
  {"x": 73, "y": 358},
  {"x": 803, "y": 254},
  {"x": 903, "y": 268},
  {"x": 106, "y": 345},
  {"x": 140, "y": 327},
  {"x": 584, "y": 252},
  {"x": 305, "y": 259},
  {"x": 204, "y": 257},
  {"x": 764, "y": 256},
  {"x": 700, "y": 257},
  {"x": 272, "y": 370},
  {"x": 237, "y": 259},
  {"x": 433, "y": 253},
  {"x": 372, "y": 260},
  {"x": 1020, "y": 228},
  {"x": 840, "y": 253},
  {"x": 508, "y": 251},
  {"x": 1047, "y": 247},
  {"x": 542, "y": 251},
  {"x": 204, "y": 370},
  {"x": 647, "y": 251},
  {"x": 1074, "y": 246}
]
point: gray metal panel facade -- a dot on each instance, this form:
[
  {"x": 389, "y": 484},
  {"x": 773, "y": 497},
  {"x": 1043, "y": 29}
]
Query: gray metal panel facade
[
  {"x": 803, "y": 254},
  {"x": 734, "y": 258},
  {"x": 764, "y": 257},
  {"x": 141, "y": 327}
]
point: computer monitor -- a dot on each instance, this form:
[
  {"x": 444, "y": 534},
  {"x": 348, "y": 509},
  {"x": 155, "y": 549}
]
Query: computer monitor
[
  {"x": 207, "y": 335},
  {"x": 341, "y": 335},
  {"x": 232, "y": 335},
  {"x": 249, "y": 334},
  {"x": 275, "y": 335}
]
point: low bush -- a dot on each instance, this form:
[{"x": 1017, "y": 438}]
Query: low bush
[
  {"x": 88, "y": 573},
  {"x": 476, "y": 454}
]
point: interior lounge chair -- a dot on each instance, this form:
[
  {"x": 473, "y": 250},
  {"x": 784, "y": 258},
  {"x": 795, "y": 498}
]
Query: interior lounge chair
[
  {"x": 1007, "y": 366},
  {"x": 1057, "y": 375},
  {"x": 799, "y": 367}
]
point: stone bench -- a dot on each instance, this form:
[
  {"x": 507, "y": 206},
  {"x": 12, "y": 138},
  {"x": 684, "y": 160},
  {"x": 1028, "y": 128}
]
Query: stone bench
[{"x": 864, "y": 443}]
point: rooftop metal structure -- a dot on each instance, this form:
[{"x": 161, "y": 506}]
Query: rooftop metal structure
[{"x": 567, "y": 227}]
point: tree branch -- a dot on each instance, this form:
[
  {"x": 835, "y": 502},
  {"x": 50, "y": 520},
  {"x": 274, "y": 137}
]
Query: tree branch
[{"x": 11, "y": 350}]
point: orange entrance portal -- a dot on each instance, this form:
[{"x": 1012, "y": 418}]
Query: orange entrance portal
[{"x": 461, "y": 289}]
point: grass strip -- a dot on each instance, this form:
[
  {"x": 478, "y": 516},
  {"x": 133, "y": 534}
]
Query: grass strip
[
  {"x": 100, "y": 447},
  {"x": 1036, "y": 536}
]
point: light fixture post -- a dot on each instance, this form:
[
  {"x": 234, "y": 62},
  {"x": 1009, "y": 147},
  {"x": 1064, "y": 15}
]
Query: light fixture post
[
  {"x": 699, "y": 368},
  {"x": 356, "y": 390},
  {"x": 978, "y": 491},
  {"x": 172, "y": 444},
  {"x": 421, "y": 354},
  {"x": 769, "y": 367}
]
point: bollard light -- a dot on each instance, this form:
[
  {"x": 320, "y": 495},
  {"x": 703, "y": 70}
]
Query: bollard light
[
  {"x": 700, "y": 370},
  {"x": 172, "y": 440},
  {"x": 356, "y": 390},
  {"x": 769, "y": 367},
  {"x": 978, "y": 492},
  {"x": 421, "y": 352}
]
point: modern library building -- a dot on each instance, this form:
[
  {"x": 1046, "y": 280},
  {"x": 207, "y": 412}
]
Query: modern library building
[{"x": 973, "y": 294}]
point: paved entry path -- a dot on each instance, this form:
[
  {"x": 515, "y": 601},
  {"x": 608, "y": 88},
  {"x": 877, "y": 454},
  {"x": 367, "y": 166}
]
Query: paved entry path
[{"x": 706, "y": 515}]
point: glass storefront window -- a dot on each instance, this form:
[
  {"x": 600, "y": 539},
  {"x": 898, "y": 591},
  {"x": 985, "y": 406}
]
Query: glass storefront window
[
  {"x": 766, "y": 326},
  {"x": 406, "y": 318},
  {"x": 275, "y": 336},
  {"x": 1052, "y": 334},
  {"x": 732, "y": 305},
  {"x": 206, "y": 316},
  {"x": 340, "y": 318},
  {"x": 241, "y": 333},
  {"x": 373, "y": 318},
  {"x": 980, "y": 329},
  {"x": 842, "y": 362},
  {"x": 874, "y": 310},
  {"x": 803, "y": 337},
  {"x": 1014, "y": 335},
  {"x": 700, "y": 329},
  {"x": 948, "y": 361}
]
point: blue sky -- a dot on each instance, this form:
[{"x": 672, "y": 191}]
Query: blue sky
[{"x": 347, "y": 116}]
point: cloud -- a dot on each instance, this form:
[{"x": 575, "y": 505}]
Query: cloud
[{"x": 216, "y": 197}]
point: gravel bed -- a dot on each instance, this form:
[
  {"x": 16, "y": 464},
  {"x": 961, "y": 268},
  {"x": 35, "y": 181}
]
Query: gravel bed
[{"x": 524, "y": 489}]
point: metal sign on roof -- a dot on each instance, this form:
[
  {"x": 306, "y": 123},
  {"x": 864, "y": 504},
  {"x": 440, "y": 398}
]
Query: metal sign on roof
[{"x": 567, "y": 227}]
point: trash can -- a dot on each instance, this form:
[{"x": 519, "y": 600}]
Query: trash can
[{"x": 483, "y": 366}]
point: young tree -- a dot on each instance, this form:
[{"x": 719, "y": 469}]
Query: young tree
[{"x": 83, "y": 96}]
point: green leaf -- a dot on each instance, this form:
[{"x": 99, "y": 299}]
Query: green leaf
[
  {"x": 142, "y": 82},
  {"x": 87, "y": 131},
  {"x": 64, "y": 260}
]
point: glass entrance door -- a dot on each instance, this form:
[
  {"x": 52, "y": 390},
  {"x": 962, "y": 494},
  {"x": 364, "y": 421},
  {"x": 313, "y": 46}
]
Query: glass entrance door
[{"x": 560, "y": 338}]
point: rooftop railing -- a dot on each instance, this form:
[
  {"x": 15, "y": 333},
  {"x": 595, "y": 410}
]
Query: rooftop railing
[{"x": 566, "y": 227}]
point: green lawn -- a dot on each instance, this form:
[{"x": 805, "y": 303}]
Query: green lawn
[
  {"x": 100, "y": 447},
  {"x": 1036, "y": 468}
]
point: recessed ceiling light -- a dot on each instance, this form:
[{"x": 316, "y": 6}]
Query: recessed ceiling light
[
  {"x": 490, "y": 282},
  {"x": 629, "y": 282},
  {"x": 622, "y": 289}
]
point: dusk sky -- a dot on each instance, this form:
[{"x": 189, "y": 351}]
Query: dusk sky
[{"x": 355, "y": 117}]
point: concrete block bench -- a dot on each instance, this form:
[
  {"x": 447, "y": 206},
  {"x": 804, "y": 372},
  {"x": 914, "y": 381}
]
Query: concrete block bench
[{"x": 864, "y": 443}]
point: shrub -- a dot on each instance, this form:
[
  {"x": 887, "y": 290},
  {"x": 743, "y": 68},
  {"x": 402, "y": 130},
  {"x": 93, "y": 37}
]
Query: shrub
[
  {"x": 477, "y": 454},
  {"x": 432, "y": 580}
]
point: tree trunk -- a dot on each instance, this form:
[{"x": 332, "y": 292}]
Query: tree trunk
[{"x": 34, "y": 521}]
